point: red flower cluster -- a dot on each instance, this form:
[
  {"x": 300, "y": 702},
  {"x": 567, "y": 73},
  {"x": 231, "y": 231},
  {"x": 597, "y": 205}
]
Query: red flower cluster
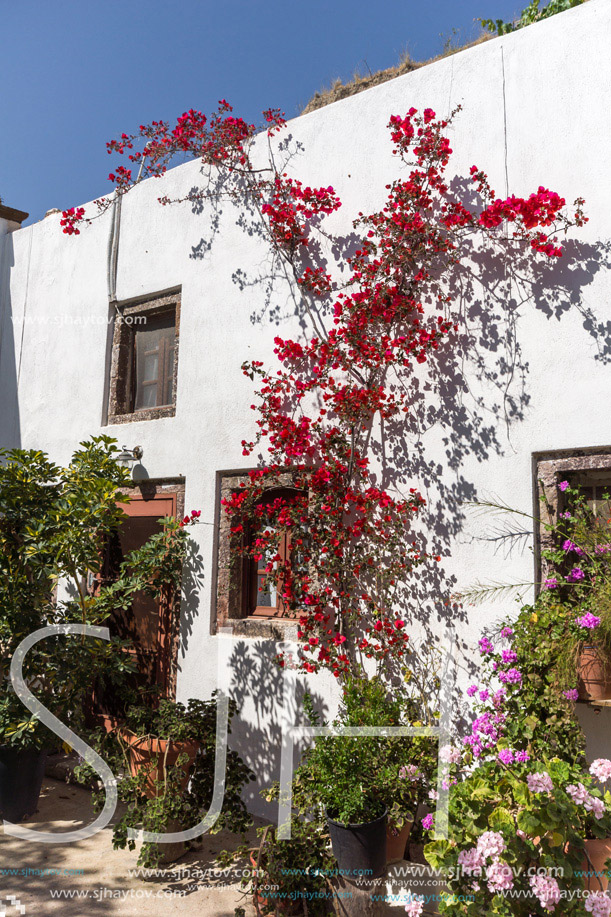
[
  {"x": 191, "y": 518},
  {"x": 69, "y": 220},
  {"x": 291, "y": 206}
]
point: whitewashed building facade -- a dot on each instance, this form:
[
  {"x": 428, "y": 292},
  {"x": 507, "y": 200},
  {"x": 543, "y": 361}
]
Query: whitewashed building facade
[{"x": 535, "y": 110}]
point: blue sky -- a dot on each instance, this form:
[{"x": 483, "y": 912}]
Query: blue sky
[{"x": 75, "y": 73}]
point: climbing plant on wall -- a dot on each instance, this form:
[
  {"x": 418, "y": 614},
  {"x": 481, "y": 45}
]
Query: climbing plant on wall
[{"x": 348, "y": 381}]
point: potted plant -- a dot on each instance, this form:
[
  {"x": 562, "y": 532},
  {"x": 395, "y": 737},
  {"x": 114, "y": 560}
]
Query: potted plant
[
  {"x": 509, "y": 825},
  {"x": 165, "y": 757},
  {"x": 159, "y": 740},
  {"x": 577, "y": 593},
  {"x": 360, "y": 781},
  {"x": 402, "y": 785},
  {"x": 288, "y": 877},
  {"x": 22, "y": 760},
  {"x": 521, "y": 800}
]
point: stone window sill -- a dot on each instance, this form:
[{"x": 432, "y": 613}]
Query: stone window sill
[
  {"x": 147, "y": 414},
  {"x": 258, "y": 626}
]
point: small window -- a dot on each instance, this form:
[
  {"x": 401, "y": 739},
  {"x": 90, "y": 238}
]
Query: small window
[
  {"x": 144, "y": 360},
  {"x": 245, "y": 591},
  {"x": 587, "y": 469}
]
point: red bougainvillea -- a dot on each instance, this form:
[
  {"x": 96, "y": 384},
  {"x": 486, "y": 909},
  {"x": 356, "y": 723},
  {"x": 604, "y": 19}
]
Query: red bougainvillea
[{"x": 352, "y": 553}]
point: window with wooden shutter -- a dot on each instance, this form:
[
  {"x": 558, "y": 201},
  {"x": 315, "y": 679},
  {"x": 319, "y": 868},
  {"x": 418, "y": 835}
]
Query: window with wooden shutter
[{"x": 154, "y": 362}]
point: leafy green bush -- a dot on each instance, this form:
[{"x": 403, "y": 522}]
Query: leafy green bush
[
  {"x": 53, "y": 522},
  {"x": 531, "y": 14}
]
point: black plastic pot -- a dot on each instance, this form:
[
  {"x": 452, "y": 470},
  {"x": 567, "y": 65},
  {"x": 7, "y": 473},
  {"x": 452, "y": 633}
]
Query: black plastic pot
[
  {"x": 21, "y": 775},
  {"x": 360, "y": 850}
]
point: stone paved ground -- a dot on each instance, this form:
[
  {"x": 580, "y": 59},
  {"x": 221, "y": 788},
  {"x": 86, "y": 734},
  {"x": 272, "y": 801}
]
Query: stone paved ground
[
  {"x": 98, "y": 877},
  {"x": 90, "y": 878}
]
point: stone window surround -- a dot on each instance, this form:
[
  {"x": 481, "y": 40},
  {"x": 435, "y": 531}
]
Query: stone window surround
[
  {"x": 148, "y": 489},
  {"x": 549, "y": 469},
  {"x": 227, "y": 593},
  {"x": 122, "y": 351}
]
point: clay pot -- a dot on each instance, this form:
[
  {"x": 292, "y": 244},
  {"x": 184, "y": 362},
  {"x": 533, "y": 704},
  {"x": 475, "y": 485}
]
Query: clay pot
[
  {"x": 142, "y": 750},
  {"x": 396, "y": 843},
  {"x": 172, "y": 852},
  {"x": 594, "y": 674},
  {"x": 598, "y": 850}
]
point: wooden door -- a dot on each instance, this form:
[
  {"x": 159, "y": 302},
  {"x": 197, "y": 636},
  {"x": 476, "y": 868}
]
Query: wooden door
[{"x": 148, "y": 624}]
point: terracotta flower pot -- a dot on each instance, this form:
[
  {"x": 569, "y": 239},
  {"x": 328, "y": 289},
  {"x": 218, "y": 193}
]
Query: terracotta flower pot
[
  {"x": 598, "y": 850},
  {"x": 396, "y": 843},
  {"x": 594, "y": 674},
  {"x": 142, "y": 752}
]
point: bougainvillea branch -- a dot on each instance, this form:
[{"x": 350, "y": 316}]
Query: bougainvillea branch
[{"x": 352, "y": 544}]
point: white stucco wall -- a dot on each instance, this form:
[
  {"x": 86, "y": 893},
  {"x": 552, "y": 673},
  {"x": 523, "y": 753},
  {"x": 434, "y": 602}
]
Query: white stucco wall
[{"x": 535, "y": 111}]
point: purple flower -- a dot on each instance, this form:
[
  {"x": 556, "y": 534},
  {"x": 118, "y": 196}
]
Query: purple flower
[
  {"x": 572, "y": 693},
  {"x": 499, "y": 877},
  {"x": 551, "y": 583},
  {"x": 427, "y": 822},
  {"x": 602, "y": 548},
  {"x": 563, "y": 485},
  {"x": 485, "y": 646},
  {"x": 588, "y": 620},
  {"x": 522, "y": 757},
  {"x": 484, "y": 695},
  {"x": 576, "y": 575},
  {"x": 509, "y": 656},
  {"x": 409, "y": 772},
  {"x": 569, "y": 545},
  {"x": 511, "y": 676},
  {"x": 566, "y": 515},
  {"x": 506, "y": 756},
  {"x": 472, "y": 690},
  {"x": 507, "y": 632}
]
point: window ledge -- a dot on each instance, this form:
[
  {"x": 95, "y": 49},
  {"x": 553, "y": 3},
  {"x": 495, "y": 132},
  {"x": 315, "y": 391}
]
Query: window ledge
[
  {"x": 147, "y": 414},
  {"x": 256, "y": 626}
]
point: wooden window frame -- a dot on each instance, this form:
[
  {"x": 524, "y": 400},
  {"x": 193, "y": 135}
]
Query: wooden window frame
[
  {"x": 129, "y": 316},
  {"x": 165, "y": 373},
  {"x": 233, "y": 607},
  {"x": 255, "y": 569}
]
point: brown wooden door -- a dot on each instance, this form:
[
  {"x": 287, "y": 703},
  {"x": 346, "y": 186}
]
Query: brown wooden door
[{"x": 148, "y": 624}]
